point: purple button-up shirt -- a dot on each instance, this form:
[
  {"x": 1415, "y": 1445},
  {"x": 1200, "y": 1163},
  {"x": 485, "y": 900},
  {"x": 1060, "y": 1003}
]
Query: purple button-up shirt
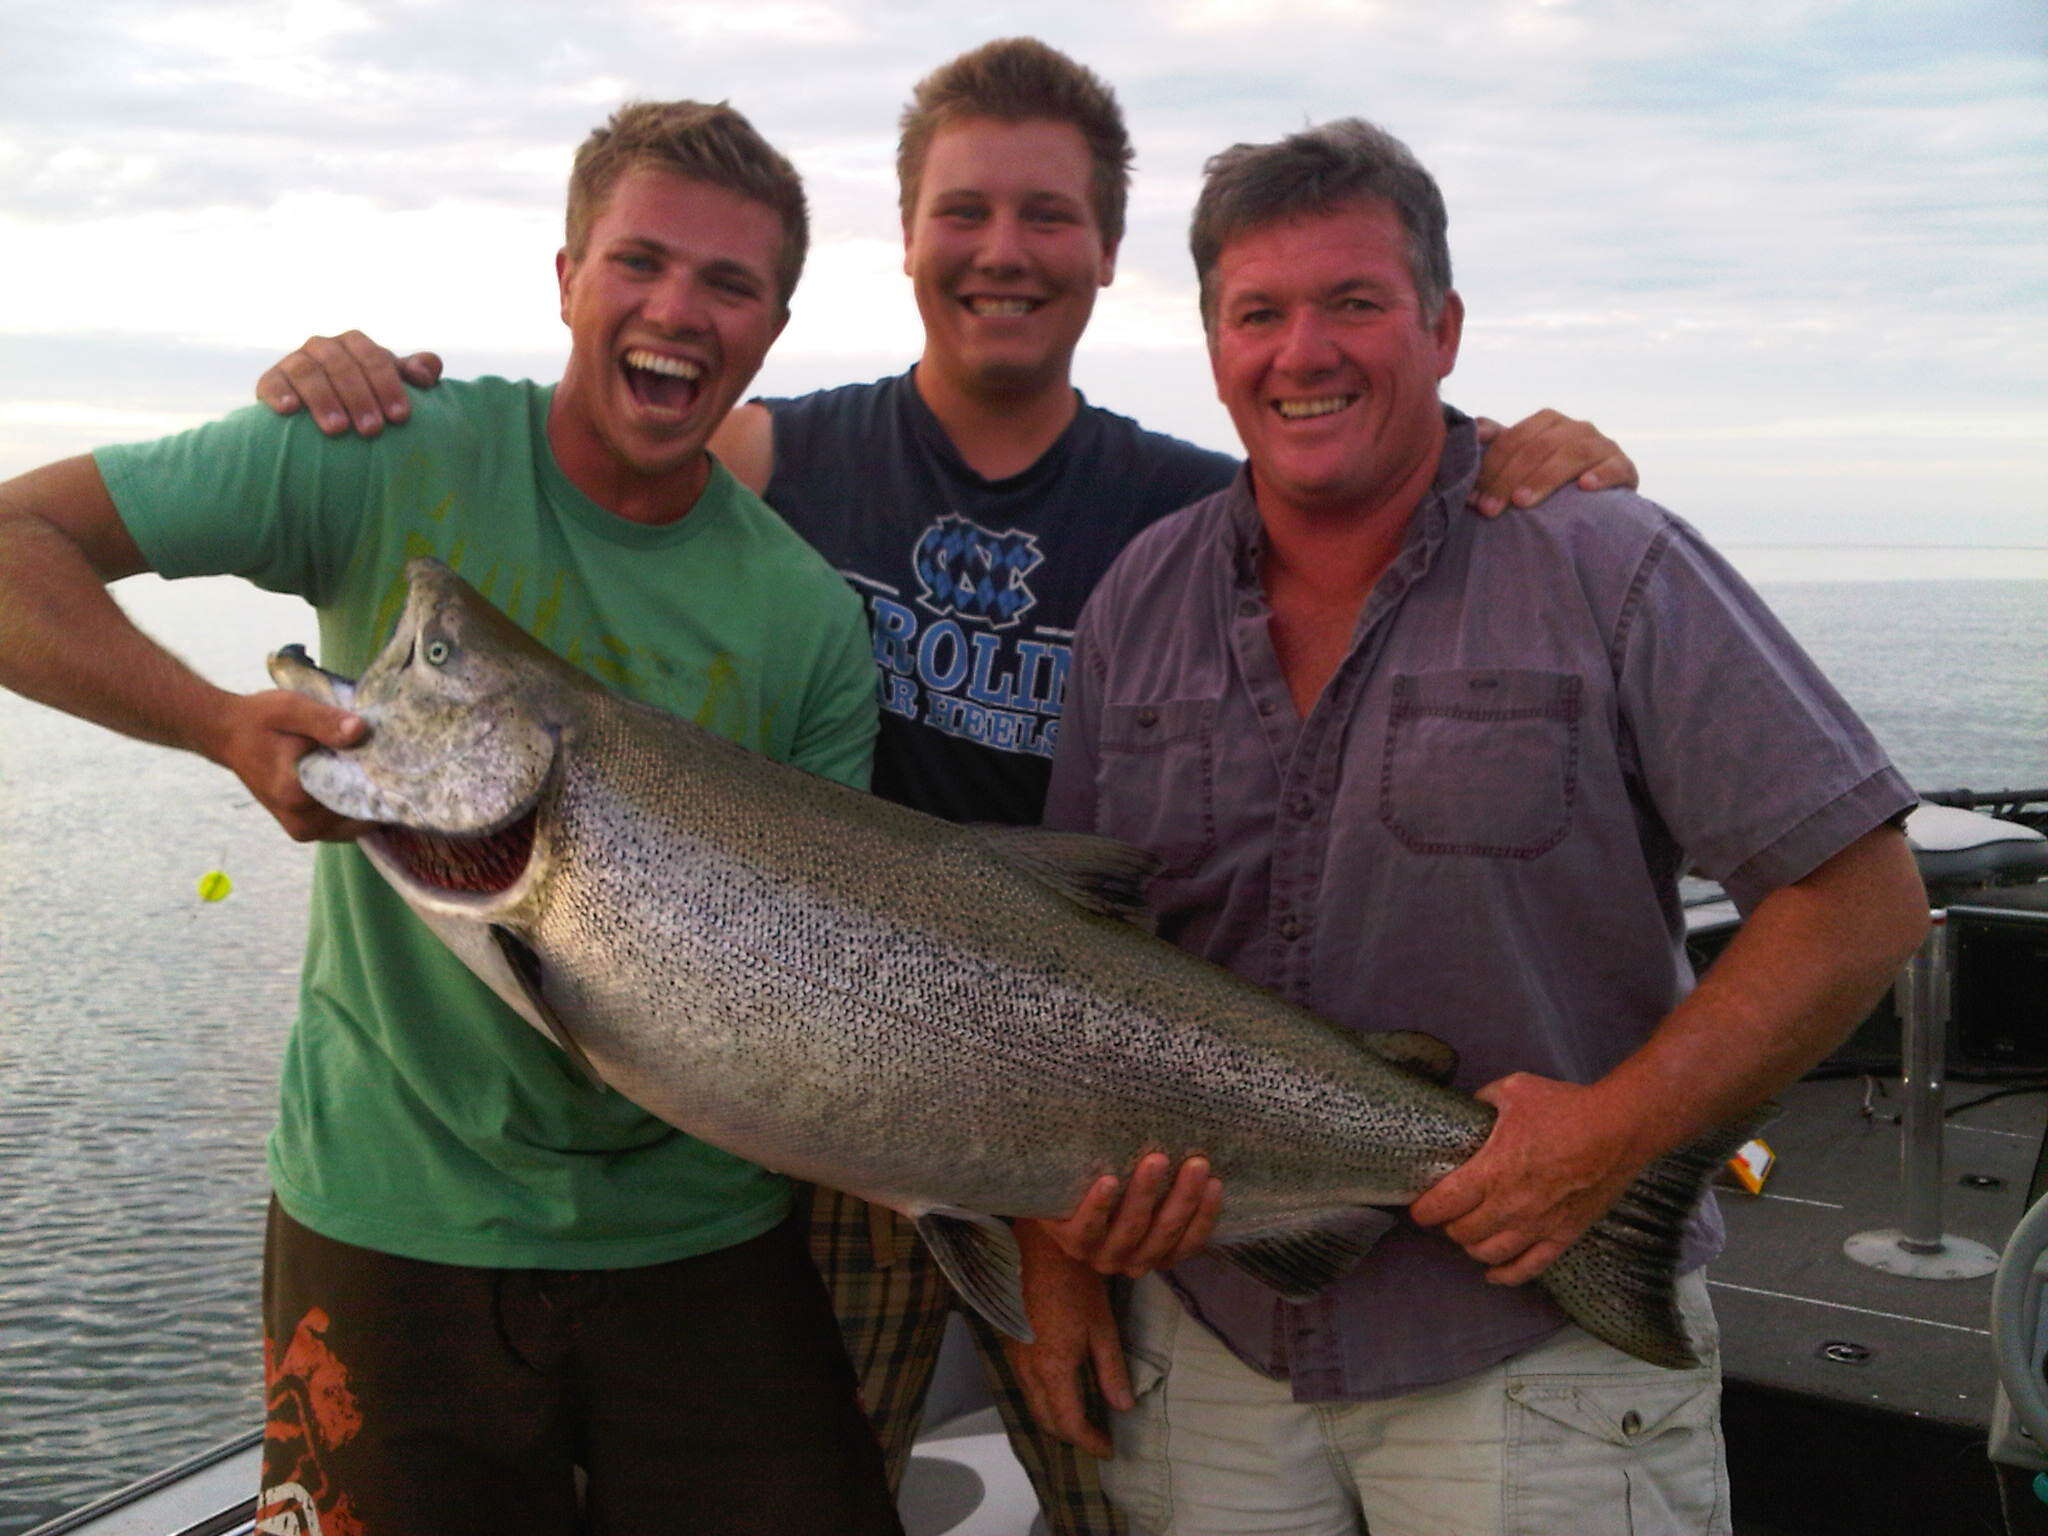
[{"x": 1542, "y": 722}]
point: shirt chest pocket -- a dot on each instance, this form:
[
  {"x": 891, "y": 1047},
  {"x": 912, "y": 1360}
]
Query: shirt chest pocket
[
  {"x": 1155, "y": 770},
  {"x": 1482, "y": 761}
]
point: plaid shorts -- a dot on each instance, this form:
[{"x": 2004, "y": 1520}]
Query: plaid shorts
[{"x": 894, "y": 1316}]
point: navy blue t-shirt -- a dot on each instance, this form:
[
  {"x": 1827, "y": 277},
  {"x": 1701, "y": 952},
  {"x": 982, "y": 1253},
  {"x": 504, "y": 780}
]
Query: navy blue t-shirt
[{"x": 973, "y": 586}]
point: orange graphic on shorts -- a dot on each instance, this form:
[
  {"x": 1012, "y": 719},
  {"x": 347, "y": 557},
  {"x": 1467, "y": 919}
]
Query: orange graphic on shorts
[{"x": 311, "y": 1413}]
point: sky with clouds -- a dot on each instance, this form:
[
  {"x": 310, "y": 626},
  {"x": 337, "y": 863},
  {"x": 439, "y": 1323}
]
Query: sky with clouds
[{"x": 1791, "y": 255}]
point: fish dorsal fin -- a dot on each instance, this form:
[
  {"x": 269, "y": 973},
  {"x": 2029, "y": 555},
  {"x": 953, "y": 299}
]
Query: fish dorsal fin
[
  {"x": 525, "y": 967},
  {"x": 1299, "y": 1259},
  {"x": 1420, "y": 1053},
  {"x": 1098, "y": 873},
  {"x": 979, "y": 1255}
]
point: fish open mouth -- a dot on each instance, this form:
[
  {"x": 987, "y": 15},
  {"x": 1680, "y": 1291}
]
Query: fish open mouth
[{"x": 480, "y": 864}]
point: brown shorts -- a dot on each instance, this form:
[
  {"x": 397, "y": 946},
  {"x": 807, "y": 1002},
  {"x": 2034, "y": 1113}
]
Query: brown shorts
[{"x": 710, "y": 1394}]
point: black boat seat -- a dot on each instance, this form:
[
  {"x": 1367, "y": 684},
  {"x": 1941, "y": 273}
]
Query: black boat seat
[{"x": 1958, "y": 849}]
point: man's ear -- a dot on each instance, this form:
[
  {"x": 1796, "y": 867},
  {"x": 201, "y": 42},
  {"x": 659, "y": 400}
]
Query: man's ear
[
  {"x": 1105, "y": 273},
  {"x": 565, "y": 268},
  {"x": 1449, "y": 331}
]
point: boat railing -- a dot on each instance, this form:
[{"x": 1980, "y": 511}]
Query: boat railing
[{"x": 2028, "y": 807}]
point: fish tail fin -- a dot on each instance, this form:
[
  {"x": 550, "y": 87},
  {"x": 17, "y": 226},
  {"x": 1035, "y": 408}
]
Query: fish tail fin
[{"x": 1619, "y": 1281}]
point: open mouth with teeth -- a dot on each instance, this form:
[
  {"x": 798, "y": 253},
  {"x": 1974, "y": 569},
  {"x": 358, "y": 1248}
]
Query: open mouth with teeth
[
  {"x": 662, "y": 382},
  {"x": 1000, "y": 306},
  {"x": 482, "y": 864},
  {"x": 1305, "y": 410},
  {"x": 476, "y": 865}
]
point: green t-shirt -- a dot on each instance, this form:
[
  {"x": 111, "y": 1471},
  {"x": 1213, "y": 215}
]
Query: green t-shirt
[{"x": 419, "y": 1115}]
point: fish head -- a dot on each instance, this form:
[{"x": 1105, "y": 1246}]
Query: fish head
[{"x": 467, "y": 717}]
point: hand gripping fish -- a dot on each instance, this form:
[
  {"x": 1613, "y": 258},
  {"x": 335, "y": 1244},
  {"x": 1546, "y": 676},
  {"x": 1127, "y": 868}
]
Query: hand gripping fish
[{"x": 961, "y": 1023}]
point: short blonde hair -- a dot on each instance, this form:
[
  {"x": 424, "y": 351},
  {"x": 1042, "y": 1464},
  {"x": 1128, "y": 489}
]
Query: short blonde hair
[
  {"x": 1020, "y": 80},
  {"x": 707, "y": 142}
]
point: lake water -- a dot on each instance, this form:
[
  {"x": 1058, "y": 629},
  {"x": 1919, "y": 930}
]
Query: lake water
[{"x": 140, "y": 1027}]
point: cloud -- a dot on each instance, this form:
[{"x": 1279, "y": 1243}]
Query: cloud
[{"x": 1715, "y": 216}]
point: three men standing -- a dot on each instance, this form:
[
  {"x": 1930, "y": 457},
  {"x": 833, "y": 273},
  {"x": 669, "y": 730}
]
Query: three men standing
[
  {"x": 988, "y": 500},
  {"x": 1351, "y": 720}
]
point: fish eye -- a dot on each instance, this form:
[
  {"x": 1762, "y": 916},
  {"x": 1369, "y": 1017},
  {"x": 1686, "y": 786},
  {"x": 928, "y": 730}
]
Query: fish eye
[{"x": 437, "y": 652}]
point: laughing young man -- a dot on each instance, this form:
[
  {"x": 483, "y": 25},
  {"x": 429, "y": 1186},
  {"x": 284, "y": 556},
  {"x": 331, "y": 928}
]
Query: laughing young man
[
  {"x": 972, "y": 501},
  {"x": 492, "y": 1291}
]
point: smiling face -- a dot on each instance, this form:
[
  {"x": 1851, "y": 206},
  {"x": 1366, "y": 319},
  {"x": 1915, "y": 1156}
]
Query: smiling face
[
  {"x": 670, "y": 309},
  {"x": 1326, "y": 362},
  {"x": 1005, "y": 254}
]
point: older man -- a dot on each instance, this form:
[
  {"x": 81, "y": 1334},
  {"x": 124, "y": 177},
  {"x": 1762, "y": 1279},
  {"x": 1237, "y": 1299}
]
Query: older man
[
  {"x": 483, "y": 1275},
  {"x": 1414, "y": 769}
]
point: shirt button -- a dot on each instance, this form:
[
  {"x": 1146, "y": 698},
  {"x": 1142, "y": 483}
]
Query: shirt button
[
  {"x": 1631, "y": 1423},
  {"x": 1148, "y": 717},
  {"x": 1265, "y": 706},
  {"x": 1302, "y": 807},
  {"x": 1247, "y": 608},
  {"x": 1290, "y": 927}
]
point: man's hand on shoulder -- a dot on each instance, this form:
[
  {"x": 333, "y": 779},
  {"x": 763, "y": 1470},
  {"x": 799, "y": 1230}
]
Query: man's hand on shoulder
[
  {"x": 260, "y": 737},
  {"x": 1153, "y": 1221},
  {"x": 347, "y": 382},
  {"x": 1558, "y": 1159},
  {"x": 1542, "y": 453}
]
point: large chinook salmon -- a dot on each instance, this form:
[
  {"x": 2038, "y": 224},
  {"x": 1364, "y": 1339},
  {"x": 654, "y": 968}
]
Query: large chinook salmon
[{"x": 961, "y": 1023}]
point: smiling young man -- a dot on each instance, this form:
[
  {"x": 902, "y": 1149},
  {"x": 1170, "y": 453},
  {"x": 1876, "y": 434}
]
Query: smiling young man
[
  {"x": 1415, "y": 769},
  {"x": 497, "y": 1298},
  {"x": 973, "y": 501}
]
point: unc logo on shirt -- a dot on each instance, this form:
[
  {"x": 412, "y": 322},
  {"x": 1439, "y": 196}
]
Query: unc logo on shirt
[{"x": 974, "y": 573}]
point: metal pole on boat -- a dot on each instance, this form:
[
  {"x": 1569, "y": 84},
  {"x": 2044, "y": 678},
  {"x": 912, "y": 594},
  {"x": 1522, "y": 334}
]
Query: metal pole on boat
[
  {"x": 1919, "y": 1247},
  {"x": 1923, "y": 1050}
]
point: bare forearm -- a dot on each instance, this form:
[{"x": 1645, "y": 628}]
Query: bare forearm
[
  {"x": 1801, "y": 973},
  {"x": 1810, "y": 961},
  {"x": 65, "y": 642}
]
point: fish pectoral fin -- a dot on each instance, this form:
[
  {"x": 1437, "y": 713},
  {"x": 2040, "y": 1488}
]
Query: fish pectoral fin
[
  {"x": 1303, "y": 1258},
  {"x": 979, "y": 1255},
  {"x": 1420, "y": 1053},
  {"x": 1099, "y": 874},
  {"x": 525, "y": 966}
]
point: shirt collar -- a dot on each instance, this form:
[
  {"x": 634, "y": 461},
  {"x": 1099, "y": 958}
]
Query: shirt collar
[
  {"x": 1457, "y": 471},
  {"x": 926, "y": 424}
]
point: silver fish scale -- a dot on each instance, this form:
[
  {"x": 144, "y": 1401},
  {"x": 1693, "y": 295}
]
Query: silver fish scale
[
  {"x": 855, "y": 993},
  {"x": 816, "y": 997}
]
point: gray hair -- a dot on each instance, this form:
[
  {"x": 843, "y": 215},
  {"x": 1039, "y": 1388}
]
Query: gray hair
[{"x": 1317, "y": 171}]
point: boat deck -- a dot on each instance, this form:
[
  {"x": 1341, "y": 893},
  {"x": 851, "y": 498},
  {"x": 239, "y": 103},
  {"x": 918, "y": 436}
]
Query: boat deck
[{"x": 1860, "y": 1401}]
